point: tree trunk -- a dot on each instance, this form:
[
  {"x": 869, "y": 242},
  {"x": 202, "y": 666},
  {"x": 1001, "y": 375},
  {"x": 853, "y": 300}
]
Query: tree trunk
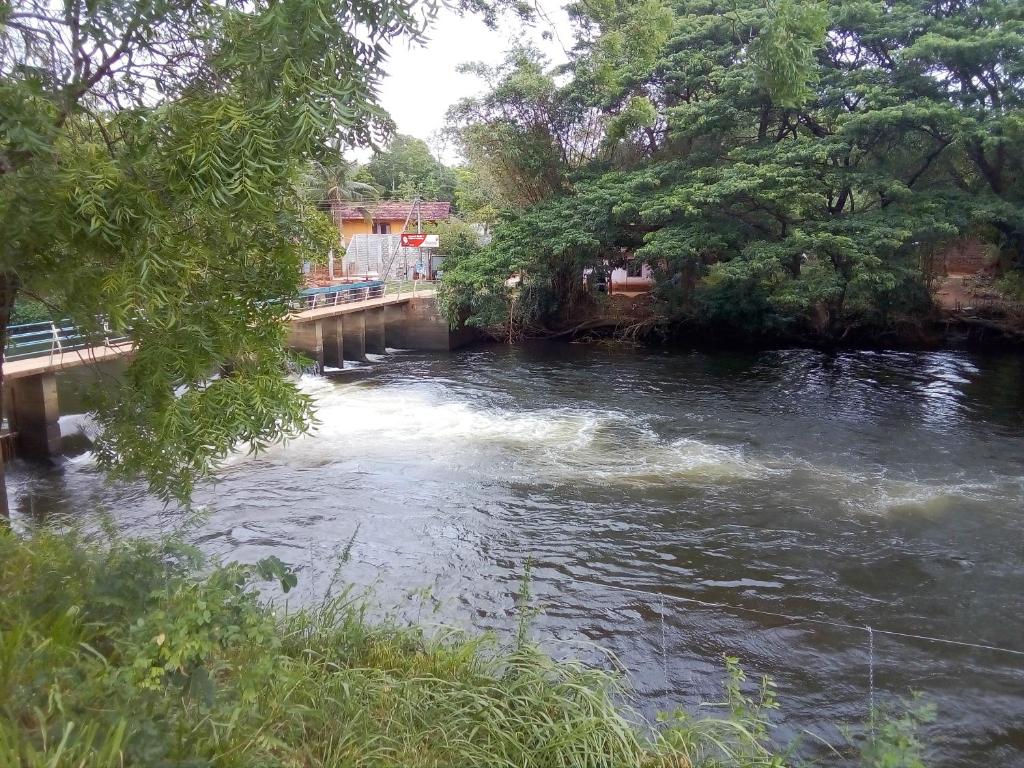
[
  {"x": 1013, "y": 242},
  {"x": 8, "y": 290},
  {"x": 762, "y": 128}
]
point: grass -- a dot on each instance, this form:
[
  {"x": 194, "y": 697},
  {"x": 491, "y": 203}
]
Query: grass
[
  {"x": 127, "y": 654},
  {"x": 1011, "y": 285}
]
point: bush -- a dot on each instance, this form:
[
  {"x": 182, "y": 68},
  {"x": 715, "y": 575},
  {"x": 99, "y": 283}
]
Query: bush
[
  {"x": 123, "y": 655},
  {"x": 29, "y": 311},
  {"x": 1011, "y": 284}
]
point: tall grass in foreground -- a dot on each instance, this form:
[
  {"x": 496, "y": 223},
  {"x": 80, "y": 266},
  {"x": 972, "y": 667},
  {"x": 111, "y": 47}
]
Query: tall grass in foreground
[{"x": 123, "y": 655}]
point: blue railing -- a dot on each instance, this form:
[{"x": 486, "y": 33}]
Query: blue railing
[
  {"x": 43, "y": 339},
  {"x": 345, "y": 293},
  {"x": 32, "y": 340}
]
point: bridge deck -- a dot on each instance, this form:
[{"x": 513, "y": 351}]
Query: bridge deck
[
  {"x": 358, "y": 306},
  {"x": 33, "y": 366}
]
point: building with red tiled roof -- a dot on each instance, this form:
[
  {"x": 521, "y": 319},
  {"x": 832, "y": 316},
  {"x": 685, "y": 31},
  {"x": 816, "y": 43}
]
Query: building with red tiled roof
[{"x": 387, "y": 217}]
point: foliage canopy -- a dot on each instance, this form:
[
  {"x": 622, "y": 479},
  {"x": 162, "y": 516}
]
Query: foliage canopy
[
  {"x": 785, "y": 166},
  {"x": 151, "y": 164},
  {"x": 406, "y": 169}
]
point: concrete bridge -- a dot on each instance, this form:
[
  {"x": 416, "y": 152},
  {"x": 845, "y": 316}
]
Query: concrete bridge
[
  {"x": 333, "y": 326},
  {"x": 328, "y": 325}
]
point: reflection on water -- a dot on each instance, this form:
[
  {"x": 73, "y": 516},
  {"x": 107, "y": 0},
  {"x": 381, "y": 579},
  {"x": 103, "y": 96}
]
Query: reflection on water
[{"x": 870, "y": 488}]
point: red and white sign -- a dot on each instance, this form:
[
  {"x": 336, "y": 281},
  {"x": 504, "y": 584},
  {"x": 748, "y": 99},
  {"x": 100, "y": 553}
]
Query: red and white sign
[{"x": 419, "y": 240}]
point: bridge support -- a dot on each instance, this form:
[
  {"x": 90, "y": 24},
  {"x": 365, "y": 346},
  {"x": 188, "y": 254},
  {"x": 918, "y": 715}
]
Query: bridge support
[
  {"x": 35, "y": 415},
  {"x": 354, "y": 327},
  {"x": 308, "y": 338},
  {"x": 333, "y": 333},
  {"x": 426, "y": 329},
  {"x": 374, "y": 331},
  {"x": 334, "y": 342},
  {"x": 394, "y": 326}
]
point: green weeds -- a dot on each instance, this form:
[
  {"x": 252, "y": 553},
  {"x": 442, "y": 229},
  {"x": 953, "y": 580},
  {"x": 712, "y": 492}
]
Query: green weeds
[{"x": 123, "y": 655}]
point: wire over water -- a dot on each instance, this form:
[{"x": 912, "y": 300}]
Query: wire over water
[
  {"x": 827, "y": 622},
  {"x": 871, "y": 677}
]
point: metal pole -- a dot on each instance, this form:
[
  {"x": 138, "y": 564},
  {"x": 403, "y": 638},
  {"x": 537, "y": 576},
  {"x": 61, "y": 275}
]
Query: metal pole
[
  {"x": 55, "y": 344},
  {"x": 419, "y": 230},
  {"x": 387, "y": 269}
]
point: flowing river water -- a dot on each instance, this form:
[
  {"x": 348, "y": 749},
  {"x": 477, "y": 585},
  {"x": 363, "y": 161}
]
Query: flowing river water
[{"x": 861, "y": 488}]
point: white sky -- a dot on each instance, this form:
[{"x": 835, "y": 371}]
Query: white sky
[{"x": 422, "y": 82}]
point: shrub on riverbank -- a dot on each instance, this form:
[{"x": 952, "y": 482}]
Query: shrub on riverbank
[{"x": 123, "y": 655}]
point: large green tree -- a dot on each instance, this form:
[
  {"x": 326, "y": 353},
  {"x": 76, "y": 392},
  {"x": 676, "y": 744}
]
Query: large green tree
[
  {"x": 151, "y": 156},
  {"x": 406, "y": 169},
  {"x": 784, "y": 164}
]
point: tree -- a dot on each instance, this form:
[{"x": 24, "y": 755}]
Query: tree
[
  {"x": 330, "y": 184},
  {"x": 783, "y": 165},
  {"x": 406, "y": 169},
  {"x": 150, "y": 163},
  {"x": 333, "y": 182},
  {"x": 512, "y": 133},
  {"x": 476, "y": 195}
]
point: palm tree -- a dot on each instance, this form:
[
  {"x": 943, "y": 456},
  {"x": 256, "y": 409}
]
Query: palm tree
[{"x": 330, "y": 185}]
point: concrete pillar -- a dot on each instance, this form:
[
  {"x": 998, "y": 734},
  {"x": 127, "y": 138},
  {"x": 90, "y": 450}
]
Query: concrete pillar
[
  {"x": 35, "y": 415},
  {"x": 425, "y": 329},
  {"x": 354, "y": 327},
  {"x": 394, "y": 326},
  {"x": 308, "y": 338},
  {"x": 334, "y": 342},
  {"x": 418, "y": 324},
  {"x": 374, "y": 334}
]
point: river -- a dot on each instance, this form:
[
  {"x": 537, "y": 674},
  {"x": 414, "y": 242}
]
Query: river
[{"x": 860, "y": 488}]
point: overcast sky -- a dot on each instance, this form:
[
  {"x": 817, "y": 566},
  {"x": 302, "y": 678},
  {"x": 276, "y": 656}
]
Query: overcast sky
[{"x": 422, "y": 82}]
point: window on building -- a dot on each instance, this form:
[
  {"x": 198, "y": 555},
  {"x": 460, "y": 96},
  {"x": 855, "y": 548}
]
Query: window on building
[{"x": 381, "y": 228}]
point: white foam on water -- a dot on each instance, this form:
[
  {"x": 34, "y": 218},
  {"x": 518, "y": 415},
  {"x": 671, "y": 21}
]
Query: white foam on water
[
  {"x": 651, "y": 463},
  {"x": 79, "y": 422},
  {"x": 583, "y": 444},
  {"x": 567, "y": 445},
  {"x": 931, "y": 498},
  {"x": 876, "y": 494}
]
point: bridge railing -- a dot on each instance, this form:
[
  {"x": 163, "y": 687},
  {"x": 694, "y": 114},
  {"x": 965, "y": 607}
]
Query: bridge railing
[
  {"x": 349, "y": 293},
  {"x": 333, "y": 295},
  {"x": 409, "y": 287},
  {"x": 49, "y": 339},
  {"x": 52, "y": 338}
]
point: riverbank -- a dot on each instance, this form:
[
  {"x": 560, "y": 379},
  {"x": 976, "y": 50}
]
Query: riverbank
[
  {"x": 641, "y": 319},
  {"x": 977, "y": 316},
  {"x": 127, "y": 654},
  {"x": 947, "y": 332}
]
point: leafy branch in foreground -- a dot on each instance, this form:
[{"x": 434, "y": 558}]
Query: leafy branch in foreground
[{"x": 151, "y": 156}]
